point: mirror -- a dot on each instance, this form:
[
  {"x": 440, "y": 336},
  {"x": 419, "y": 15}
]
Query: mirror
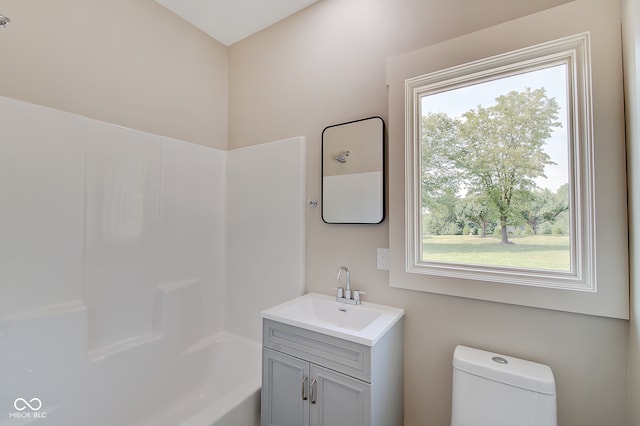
[{"x": 353, "y": 172}]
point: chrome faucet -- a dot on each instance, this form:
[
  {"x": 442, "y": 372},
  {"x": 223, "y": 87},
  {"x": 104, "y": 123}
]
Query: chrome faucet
[
  {"x": 344, "y": 296},
  {"x": 348, "y": 289}
]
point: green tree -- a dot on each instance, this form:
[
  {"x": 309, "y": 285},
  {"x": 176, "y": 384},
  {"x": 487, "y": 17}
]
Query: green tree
[
  {"x": 543, "y": 206},
  {"x": 441, "y": 213},
  {"x": 439, "y": 145},
  {"x": 440, "y": 180},
  {"x": 502, "y": 148},
  {"x": 478, "y": 210}
]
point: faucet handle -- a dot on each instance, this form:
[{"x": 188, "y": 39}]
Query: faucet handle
[
  {"x": 356, "y": 295},
  {"x": 340, "y": 293}
]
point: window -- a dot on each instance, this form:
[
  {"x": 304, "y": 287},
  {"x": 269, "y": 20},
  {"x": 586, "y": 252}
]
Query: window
[{"x": 499, "y": 169}]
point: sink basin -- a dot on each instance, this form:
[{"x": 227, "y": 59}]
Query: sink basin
[{"x": 365, "y": 323}]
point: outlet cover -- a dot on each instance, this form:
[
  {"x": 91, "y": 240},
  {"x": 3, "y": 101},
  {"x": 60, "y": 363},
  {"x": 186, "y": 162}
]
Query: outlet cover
[{"x": 383, "y": 259}]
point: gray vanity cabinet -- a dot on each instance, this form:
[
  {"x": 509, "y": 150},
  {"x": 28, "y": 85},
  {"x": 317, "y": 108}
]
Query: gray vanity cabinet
[
  {"x": 339, "y": 399},
  {"x": 304, "y": 394},
  {"x": 285, "y": 399},
  {"x": 312, "y": 379}
]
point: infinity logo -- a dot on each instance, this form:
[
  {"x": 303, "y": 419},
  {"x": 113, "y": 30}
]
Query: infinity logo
[{"x": 21, "y": 404}]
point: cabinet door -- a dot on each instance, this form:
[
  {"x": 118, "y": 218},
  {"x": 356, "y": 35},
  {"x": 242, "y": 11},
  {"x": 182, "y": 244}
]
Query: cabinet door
[
  {"x": 285, "y": 390},
  {"x": 338, "y": 400}
]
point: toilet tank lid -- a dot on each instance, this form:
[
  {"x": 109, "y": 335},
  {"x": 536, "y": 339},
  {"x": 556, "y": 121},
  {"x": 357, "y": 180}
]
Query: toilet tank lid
[{"x": 505, "y": 369}]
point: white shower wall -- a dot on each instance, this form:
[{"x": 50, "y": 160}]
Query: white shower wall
[
  {"x": 121, "y": 249},
  {"x": 265, "y": 231},
  {"x": 100, "y": 213},
  {"x": 41, "y": 206}
]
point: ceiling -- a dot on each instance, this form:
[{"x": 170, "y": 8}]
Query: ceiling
[{"x": 229, "y": 21}]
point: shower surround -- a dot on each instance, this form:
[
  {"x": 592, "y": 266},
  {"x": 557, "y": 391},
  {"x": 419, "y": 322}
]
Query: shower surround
[{"x": 133, "y": 268}]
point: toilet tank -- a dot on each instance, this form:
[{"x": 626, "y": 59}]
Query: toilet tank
[{"x": 499, "y": 390}]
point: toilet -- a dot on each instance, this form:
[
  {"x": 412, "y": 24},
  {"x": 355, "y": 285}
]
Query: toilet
[{"x": 499, "y": 390}]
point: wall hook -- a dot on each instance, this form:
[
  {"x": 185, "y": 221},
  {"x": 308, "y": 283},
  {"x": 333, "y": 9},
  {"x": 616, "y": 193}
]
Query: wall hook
[{"x": 342, "y": 158}]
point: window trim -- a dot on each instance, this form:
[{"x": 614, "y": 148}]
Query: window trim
[{"x": 575, "y": 52}]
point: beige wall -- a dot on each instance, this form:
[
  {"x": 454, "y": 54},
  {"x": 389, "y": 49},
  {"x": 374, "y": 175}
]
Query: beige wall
[
  {"x": 631, "y": 42},
  {"x": 131, "y": 63},
  {"x": 326, "y": 65}
]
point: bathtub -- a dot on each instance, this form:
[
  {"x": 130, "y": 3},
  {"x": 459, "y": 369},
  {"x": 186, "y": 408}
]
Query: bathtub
[
  {"x": 228, "y": 392},
  {"x": 148, "y": 381}
]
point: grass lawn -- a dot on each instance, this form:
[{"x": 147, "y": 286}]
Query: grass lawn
[{"x": 550, "y": 252}]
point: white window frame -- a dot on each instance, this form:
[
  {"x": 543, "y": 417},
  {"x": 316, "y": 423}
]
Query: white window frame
[{"x": 574, "y": 51}]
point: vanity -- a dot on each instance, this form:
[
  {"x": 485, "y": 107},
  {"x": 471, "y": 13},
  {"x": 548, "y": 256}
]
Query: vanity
[{"x": 332, "y": 364}]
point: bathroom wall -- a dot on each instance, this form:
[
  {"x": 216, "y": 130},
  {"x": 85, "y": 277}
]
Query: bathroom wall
[
  {"x": 326, "y": 65},
  {"x": 111, "y": 262},
  {"x": 114, "y": 250},
  {"x": 131, "y": 63},
  {"x": 102, "y": 214},
  {"x": 265, "y": 231},
  {"x": 631, "y": 43}
]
